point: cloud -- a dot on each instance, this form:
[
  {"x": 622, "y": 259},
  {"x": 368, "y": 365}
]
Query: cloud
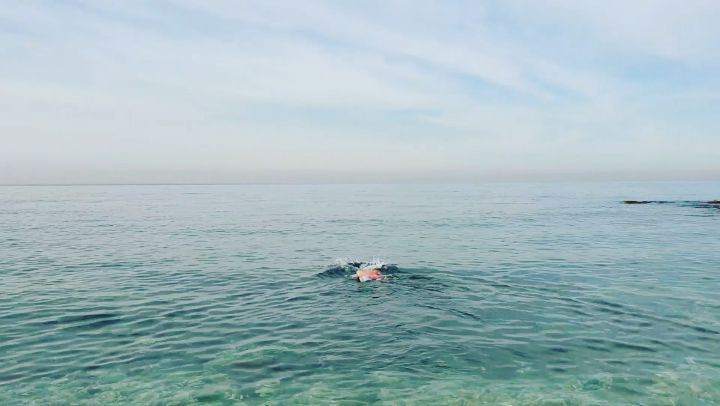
[
  {"x": 662, "y": 28},
  {"x": 264, "y": 90}
]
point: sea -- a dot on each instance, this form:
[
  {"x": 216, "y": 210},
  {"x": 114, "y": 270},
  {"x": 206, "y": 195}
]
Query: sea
[{"x": 500, "y": 293}]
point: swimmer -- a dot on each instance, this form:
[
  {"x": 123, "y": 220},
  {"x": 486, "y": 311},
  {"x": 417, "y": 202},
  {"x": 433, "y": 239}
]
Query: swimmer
[{"x": 368, "y": 273}]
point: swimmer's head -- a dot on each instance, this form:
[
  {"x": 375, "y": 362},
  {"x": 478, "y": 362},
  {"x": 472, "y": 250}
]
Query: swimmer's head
[{"x": 368, "y": 273}]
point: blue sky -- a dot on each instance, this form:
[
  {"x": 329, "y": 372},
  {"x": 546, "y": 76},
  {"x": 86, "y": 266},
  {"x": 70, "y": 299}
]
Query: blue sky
[{"x": 174, "y": 91}]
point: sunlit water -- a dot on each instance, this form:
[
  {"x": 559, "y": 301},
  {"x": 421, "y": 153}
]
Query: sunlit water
[{"x": 504, "y": 293}]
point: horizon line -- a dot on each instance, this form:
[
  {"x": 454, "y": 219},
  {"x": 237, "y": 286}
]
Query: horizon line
[{"x": 360, "y": 183}]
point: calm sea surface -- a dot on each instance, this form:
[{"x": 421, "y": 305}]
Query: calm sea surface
[{"x": 504, "y": 294}]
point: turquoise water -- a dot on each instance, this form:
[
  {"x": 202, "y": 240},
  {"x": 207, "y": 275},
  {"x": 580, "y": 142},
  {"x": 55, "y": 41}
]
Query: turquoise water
[{"x": 504, "y": 294}]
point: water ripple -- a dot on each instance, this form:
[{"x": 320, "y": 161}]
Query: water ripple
[{"x": 182, "y": 295}]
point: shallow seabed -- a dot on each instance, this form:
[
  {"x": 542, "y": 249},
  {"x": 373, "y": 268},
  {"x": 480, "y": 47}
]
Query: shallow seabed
[{"x": 512, "y": 293}]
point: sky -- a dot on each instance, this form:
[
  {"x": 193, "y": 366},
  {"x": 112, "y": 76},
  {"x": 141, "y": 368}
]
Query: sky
[{"x": 202, "y": 91}]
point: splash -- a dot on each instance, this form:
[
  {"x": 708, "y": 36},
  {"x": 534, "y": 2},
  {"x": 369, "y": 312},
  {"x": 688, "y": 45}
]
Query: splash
[
  {"x": 347, "y": 267},
  {"x": 357, "y": 263}
]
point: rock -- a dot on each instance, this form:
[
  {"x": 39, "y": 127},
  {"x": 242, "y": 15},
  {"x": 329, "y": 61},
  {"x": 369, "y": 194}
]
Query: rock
[
  {"x": 637, "y": 201},
  {"x": 714, "y": 202}
]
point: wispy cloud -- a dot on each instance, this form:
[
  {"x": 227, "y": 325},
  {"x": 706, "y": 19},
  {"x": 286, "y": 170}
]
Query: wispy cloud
[{"x": 320, "y": 90}]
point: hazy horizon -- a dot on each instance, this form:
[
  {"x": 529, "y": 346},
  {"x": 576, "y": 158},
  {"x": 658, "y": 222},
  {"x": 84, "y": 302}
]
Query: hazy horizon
[{"x": 194, "y": 92}]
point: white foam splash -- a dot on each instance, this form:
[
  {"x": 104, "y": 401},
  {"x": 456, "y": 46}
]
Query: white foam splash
[{"x": 359, "y": 263}]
